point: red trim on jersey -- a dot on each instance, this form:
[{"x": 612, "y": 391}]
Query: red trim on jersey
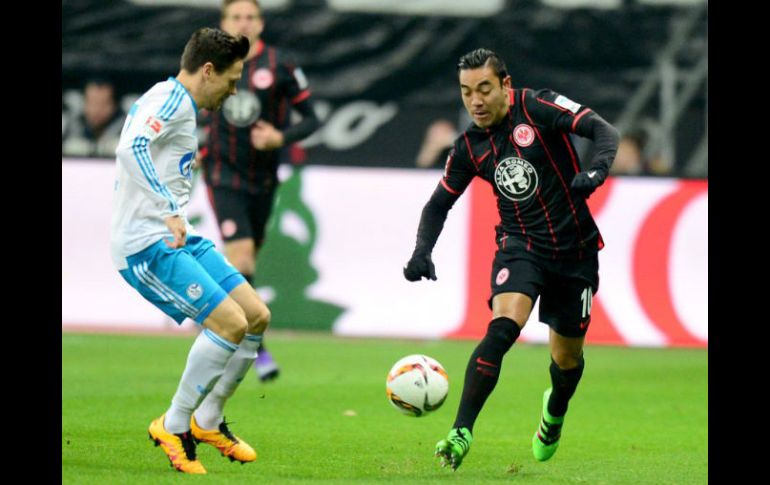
[
  {"x": 555, "y": 167},
  {"x": 271, "y": 56},
  {"x": 253, "y": 151},
  {"x": 232, "y": 140},
  {"x": 470, "y": 152},
  {"x": 301, "y": 97},
  {"x": 212, "y": 202},
  {"x": 540, "y": 100},
  {"x": 577, "y": 118},
  {"x": 203, "y": 151},
  {"x": 548, "y": 220},
  {"x": 216, "y": 176},
  {"x": 492, "y": 142},
  {"x": 512, "y": 96},
  {"x": 260, "y": 47},
  {"x": 449, "y": 160},
  {"x": 485, "y": 155},
  {"x": 448, "y": 188},
  {"x": 571, "y": 153}
]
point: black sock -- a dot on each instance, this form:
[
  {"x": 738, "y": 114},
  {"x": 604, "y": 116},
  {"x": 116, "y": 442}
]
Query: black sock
[
  {"x": 564, "y": 383},
  {"x": 484, "y": 369}
]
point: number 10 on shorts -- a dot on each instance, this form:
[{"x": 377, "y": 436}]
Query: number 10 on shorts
[{"x": 586, "y": 296}]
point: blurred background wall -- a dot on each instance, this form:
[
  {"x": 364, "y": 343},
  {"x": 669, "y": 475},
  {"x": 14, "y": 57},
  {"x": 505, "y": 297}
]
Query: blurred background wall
[{"x": 383, "y": 77}]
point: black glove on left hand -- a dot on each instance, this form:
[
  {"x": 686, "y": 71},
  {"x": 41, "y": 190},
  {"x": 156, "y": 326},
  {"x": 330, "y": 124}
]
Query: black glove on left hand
[
  {"x": 420, "y": 266},
  {"x": 587, "y": 181}
]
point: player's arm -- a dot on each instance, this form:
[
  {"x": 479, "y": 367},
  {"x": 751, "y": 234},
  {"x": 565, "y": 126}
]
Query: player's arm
[
  {"x": 561, "y": 113},
  {"x": 265, "y": 136},
  {"x": 606, "y": 138},
  {"x": 142, "y": 129},
  {"x": 457, "y": 176},
  {"x": 300, "y": 99}
]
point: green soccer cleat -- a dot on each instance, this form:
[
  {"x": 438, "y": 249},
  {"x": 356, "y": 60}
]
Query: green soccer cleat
[
  {"x": 546, "y": 438},
  {"x": 453, "y": 449}
]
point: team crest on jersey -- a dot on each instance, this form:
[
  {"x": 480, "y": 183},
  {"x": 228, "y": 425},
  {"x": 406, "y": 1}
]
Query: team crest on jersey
[
  {"x": 516, "y": 179},
  {"x": 186, "y": 165},
  {"x": 242, "y": 109},
  {"x": 262, "y": 78},
  {"x": 228, "y": 227},
  {"x": 502, "y": 276},
  {"x": 194, "y": 291},
  {"x": 524, "y": 135}
]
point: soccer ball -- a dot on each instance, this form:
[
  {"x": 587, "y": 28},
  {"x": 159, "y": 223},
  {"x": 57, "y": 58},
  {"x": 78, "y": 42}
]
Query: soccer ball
[{"x": 417, "y": 385}]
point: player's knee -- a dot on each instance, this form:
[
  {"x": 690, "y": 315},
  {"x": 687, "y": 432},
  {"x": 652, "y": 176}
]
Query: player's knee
[
  {"x": 228, "y": 321},
  {"x": 259, "y": 319},
  {"x": 504, "y": 330},
  {"x": 566, "y": 358}
]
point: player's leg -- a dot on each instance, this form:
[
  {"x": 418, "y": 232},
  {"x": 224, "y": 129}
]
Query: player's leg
[
  {"x": 208, "y": 423},
  {"x": 260, "y": 209},
  {"x": 515, "y": 286},
  {"x": 232, "y": 211},
  {"x": 565, "y": 306},
  {"x": 175, "y": 282}
]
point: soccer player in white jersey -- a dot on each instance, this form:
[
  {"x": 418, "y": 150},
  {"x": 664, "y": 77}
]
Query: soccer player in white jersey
[{"x": 158, "y": 253}]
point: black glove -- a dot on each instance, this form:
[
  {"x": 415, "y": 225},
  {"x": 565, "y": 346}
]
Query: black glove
[
  {"x": 419, "y": 266},
  {"x": 587, "y": 181}
]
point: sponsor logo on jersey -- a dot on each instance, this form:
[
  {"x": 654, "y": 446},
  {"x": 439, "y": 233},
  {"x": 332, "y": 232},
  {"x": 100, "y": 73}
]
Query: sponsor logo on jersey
[
  {"x": 502, "y": 276},
  {"x": 262, "y": 78},
  {"x": 516, "y": 179},
  {"x": 242, "y": 109},
  {"x": 567, "y": 103},
  {"x": 194, "y": 291},
  {"x": 524, "y": 135}
]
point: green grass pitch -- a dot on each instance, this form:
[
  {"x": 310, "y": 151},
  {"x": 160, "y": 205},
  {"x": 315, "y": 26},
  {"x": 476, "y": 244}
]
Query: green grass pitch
[{"x": 640, "y": 416}]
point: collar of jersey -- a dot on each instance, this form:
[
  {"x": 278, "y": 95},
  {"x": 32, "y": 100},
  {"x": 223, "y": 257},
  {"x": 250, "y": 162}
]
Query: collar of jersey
[{"x": 195, "y": 106}]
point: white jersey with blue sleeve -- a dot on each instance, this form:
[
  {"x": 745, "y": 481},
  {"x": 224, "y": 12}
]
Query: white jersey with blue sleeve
[{"x": 155, "y": 157}]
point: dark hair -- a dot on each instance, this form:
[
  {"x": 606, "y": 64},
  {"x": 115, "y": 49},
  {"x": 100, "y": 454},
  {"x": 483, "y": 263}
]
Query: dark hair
[
  {"x": 215, "y": 46},
  {"x": 227, "y": 3},
  {"x": 480, "y": 58}
]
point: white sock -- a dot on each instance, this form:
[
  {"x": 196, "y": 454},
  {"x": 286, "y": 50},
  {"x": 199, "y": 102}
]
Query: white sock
[
  {"x": 206, "y": 363},
  {"x": 209, "y": 415}
]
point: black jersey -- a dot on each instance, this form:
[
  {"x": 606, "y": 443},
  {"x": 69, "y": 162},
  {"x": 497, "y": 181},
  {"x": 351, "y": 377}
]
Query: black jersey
[
  {"x": 530, "y": 162},
  {"x": 270, "y": 86}
]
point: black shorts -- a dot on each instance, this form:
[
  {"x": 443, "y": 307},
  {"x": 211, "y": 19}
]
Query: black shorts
[
  {"x": 565, "y": 287},
  {"x": 241, "y": 214}
]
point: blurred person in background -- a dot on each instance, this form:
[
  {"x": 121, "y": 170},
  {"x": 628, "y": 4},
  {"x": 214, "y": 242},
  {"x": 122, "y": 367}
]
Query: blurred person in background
[
  {"x": 547, "y": 241},
  {"x": 629, "y": 159},
  {"x": 243, "y": 148},
  {"x": 95, "y": 133},
  {"x": 158, "y": 253},
  {"x": 438, "y": 140}
]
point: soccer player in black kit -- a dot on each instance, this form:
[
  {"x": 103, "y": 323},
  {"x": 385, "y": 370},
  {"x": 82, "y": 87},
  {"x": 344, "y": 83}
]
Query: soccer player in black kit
[
  {"x": 243, "y": 150},
  {"x": 547, "y": 241}
]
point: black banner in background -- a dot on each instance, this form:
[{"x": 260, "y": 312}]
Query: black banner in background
[{"x": 380, "y": 80}]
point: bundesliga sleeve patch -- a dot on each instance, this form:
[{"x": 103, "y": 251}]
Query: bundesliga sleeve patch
[
  {"x": 567, "y": 103},
  {"x": 152, "y": 127},
  {"x": 300, "y": 77}
]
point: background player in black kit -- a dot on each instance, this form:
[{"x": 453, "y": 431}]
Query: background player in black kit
[
  {"x": 547, "y": 241},
  {"x": 242, "y": 153}
]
